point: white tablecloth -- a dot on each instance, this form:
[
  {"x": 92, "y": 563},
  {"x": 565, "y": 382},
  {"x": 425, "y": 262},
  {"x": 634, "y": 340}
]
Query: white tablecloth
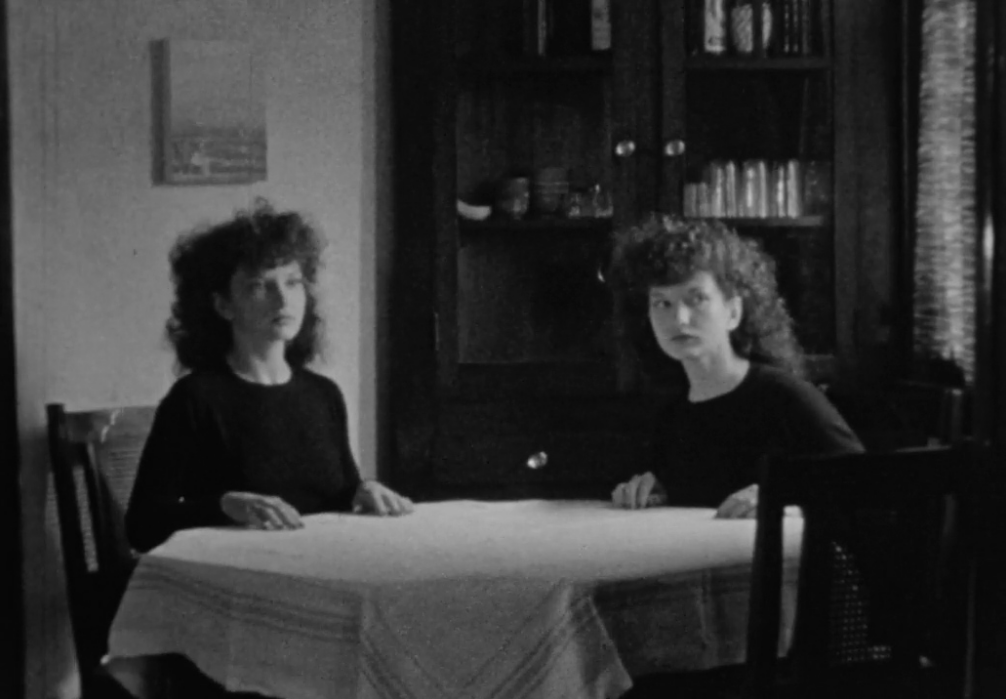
[{"x": 469, "y": 599}]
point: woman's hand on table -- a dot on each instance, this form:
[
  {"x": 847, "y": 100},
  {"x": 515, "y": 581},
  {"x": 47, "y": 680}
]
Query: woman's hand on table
[
  {"x": 640, "y": 491},
  {"x": 374, "y": 498},
  {"x": 741, "y": 505},
  {"x": 260, "y": 511}
]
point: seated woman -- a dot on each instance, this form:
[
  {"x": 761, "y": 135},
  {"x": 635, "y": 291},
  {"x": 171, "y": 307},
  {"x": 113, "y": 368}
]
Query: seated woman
[
  {"x": 714, "y": 308},
  {"x": 248, "y": 434}
]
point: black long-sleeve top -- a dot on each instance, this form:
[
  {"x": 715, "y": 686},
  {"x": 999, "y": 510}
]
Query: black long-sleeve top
[
  {"x": 703, "y": 452},
  {"x": 215, "y": 432}
]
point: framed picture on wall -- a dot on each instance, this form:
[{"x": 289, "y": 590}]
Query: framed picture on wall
[{"x": 210, "y": 100}]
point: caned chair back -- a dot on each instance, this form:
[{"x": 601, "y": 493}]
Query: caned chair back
[
  {"x": 872, "y": 573},
  {"x": 94, "y": 456}
]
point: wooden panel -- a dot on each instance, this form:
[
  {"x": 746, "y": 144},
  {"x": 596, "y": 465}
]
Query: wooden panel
[
  {"x": 514, "y": 125},
  {"x": 866, "y": 264},
  {"x": 534, "y": 299},
  {"x": 590, "y": 446}
]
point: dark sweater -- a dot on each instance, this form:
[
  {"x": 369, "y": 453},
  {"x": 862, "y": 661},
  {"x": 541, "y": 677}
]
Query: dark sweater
[
  {"x": 703, "y": 452},
  {"x": 215, "y": 433}
]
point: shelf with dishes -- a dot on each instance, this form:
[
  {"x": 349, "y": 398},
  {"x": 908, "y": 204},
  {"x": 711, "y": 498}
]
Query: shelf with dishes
[{"x": 496, "y": 225}]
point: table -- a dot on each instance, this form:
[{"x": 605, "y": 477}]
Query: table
[{"x": 495, "y": 600}]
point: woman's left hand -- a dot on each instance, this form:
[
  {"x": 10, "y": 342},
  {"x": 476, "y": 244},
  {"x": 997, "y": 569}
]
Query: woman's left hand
[
  {"x": 741, "y": 505},
  {"x": 373, "y": 498}
]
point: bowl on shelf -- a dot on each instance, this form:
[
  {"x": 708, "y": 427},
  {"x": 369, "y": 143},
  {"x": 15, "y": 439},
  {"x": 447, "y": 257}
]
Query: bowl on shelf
[{"x": 473, "y": 212}]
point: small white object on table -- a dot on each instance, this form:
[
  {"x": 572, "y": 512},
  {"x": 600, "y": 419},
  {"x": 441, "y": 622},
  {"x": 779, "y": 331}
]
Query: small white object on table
[{"x": 519, "y": 600}]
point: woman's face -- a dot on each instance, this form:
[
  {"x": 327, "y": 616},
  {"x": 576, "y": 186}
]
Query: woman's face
[
  {"x": 265, "y": 306},
  {"x": 693, "y": 320}
]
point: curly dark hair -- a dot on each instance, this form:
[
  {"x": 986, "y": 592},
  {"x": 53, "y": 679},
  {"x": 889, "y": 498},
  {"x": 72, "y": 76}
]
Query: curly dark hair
[
  {"x": 204, "y": 260},
  {"x": 666, "y": 250}
]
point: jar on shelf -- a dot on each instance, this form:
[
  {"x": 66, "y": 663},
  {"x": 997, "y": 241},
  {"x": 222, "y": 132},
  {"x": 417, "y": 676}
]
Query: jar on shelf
[{"x": 742, "y": 27}]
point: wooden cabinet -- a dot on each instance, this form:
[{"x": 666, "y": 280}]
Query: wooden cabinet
[{"x": 504, "y": 330}]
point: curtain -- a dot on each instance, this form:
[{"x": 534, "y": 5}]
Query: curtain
[{"x": 945, "y": 243}]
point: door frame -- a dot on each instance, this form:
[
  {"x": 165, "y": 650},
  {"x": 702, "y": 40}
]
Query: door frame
[
  {"x": 12, "y": 676},
  {"x": 989, "y": 602}
]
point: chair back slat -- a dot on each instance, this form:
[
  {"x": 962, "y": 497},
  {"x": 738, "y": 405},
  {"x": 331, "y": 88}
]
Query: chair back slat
[
  {"x": 94, "y": 456},
  {"x": 904, "y": 415}
]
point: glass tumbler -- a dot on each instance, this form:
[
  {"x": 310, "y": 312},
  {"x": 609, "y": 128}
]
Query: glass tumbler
[
  {"x": 716, "y": 181},
  {"x": 754, "y": 200}
]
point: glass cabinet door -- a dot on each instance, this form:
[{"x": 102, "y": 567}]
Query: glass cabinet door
[
  {"x": 564, "y": 123},
  {"x": 748, "y": 134},
  {"x": 535, "y": 107}
]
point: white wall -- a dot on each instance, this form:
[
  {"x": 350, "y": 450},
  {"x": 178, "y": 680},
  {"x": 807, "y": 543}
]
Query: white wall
[{"x": 92, "y": 231}]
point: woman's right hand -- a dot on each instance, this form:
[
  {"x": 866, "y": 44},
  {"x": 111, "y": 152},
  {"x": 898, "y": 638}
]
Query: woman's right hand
[
  {"x": 260, "y": 511},
  {"x": 638, "y": 492}
]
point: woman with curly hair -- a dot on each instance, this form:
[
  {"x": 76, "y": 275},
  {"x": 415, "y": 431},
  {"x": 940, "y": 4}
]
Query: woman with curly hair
[
  {"x": 713, "y": 307},
  {"x": 248, "y": 435}
]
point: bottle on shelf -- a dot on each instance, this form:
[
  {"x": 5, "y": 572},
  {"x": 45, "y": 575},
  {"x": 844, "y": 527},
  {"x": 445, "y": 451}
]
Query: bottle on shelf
[
  {"x": 714, "y": 27},
  {"x": 798, "y": 18},
  {"x": 742, "y": 27},
  {"x": 537, "y": 26},
  {"x": 600, "y": 25}
]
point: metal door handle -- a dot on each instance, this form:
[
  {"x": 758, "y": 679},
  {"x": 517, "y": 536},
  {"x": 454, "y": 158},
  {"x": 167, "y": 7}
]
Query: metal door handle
[
  {"x": 537, "y": 460},
  {"x": 674, "y": 148},
  {"x": 624, "y": 149},
  {"x": 628, "y": 148}
]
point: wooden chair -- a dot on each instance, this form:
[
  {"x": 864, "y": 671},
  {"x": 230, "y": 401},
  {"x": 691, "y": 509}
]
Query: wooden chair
[
  {"x": 871, "y": 584},
  {"x": 94, "y": 456},
  {"x": 904, "y": 414}
]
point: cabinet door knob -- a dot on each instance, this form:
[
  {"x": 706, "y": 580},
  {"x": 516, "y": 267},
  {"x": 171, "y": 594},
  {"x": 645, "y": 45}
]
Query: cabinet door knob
[
  {"x": 674, "y": 147},
  {"x": 536, "y": 461},
  {"x": 623, "y": 149}
]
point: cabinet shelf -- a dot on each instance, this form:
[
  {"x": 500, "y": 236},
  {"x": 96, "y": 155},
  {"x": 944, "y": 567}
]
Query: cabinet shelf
[
  {"x": 535, "y": 226},
  {"x": 533, "y": 65},
  {"x": 736, "y": 63},
  {"x": 800, "y": 222}
]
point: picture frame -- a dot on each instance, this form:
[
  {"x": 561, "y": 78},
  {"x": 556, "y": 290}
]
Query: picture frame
[{"x": 210, "y": 108}]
